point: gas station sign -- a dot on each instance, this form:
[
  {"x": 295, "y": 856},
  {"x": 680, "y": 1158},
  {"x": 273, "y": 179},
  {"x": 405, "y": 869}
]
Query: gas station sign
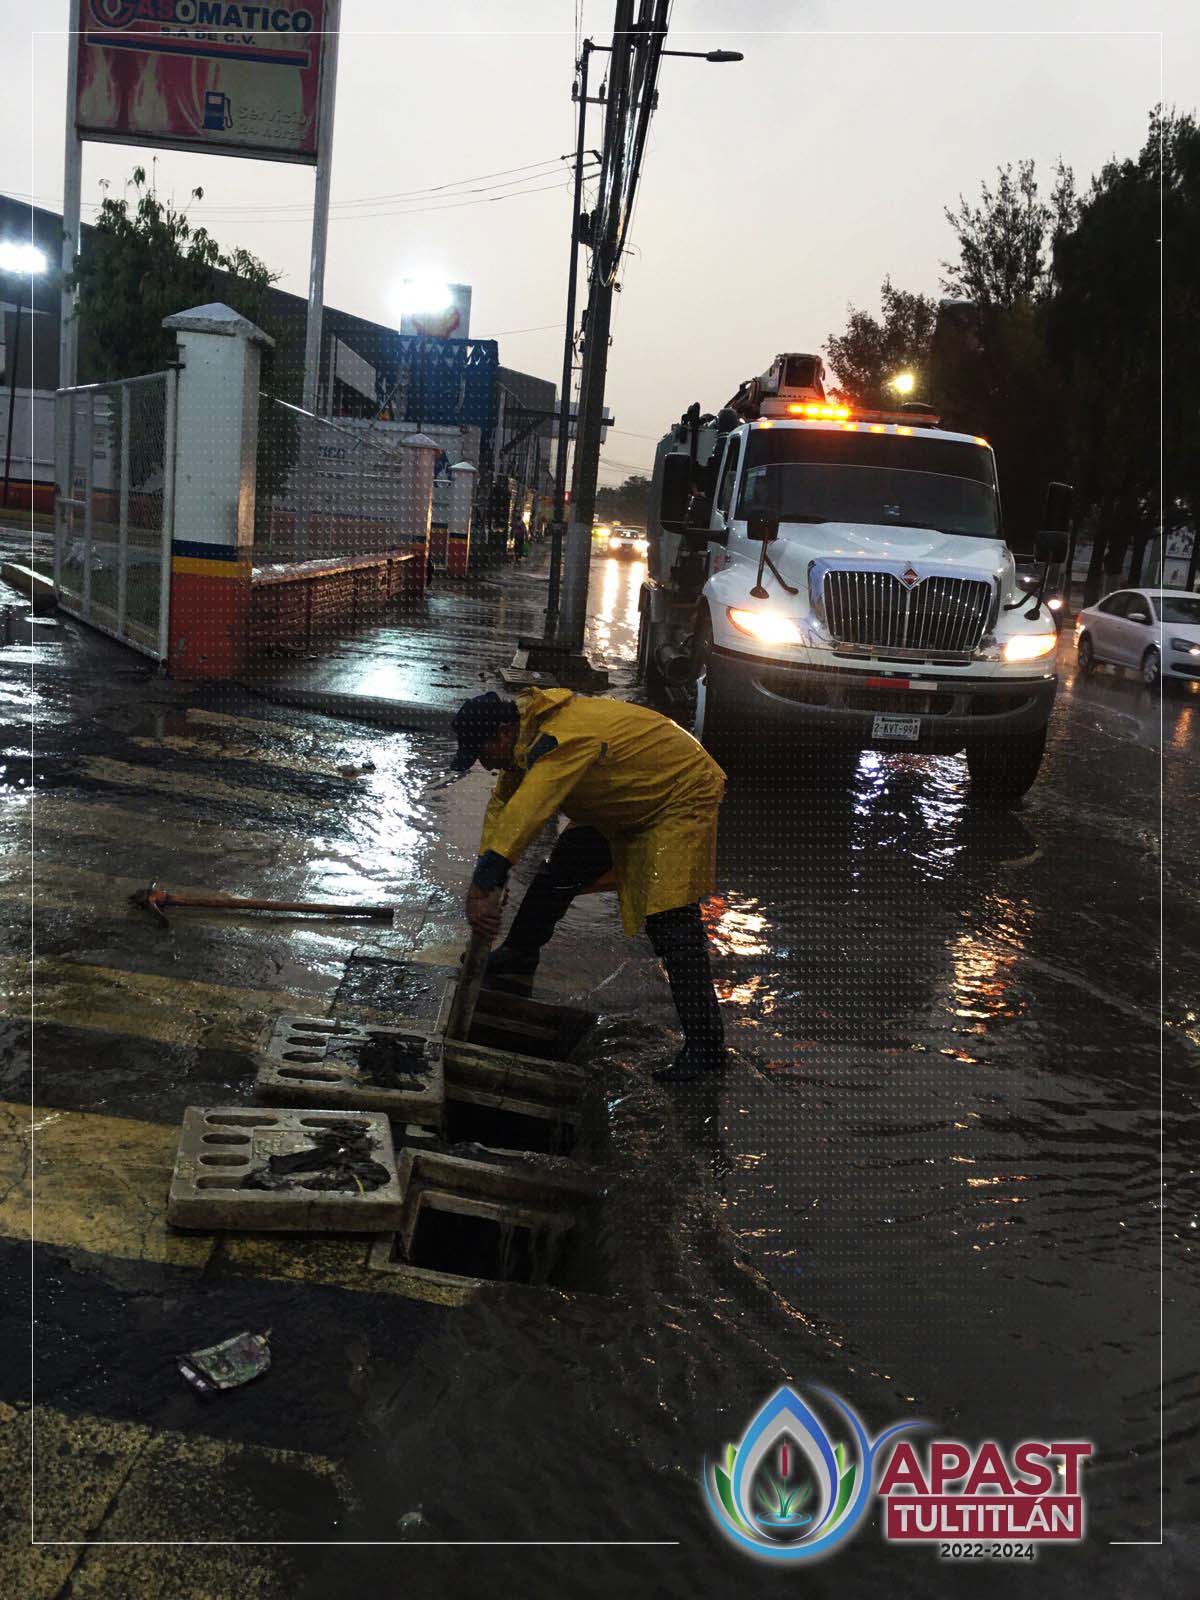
[{"x": 202, "y": 74}]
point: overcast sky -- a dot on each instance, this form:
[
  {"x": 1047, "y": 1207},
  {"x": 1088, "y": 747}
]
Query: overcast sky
[{"x": 775, "y": 191}]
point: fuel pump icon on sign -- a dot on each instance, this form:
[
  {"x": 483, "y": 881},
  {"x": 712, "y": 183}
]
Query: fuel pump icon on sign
[{"x": 217, "y": 110}]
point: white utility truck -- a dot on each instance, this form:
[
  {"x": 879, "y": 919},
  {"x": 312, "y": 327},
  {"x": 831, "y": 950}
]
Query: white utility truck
[{"x": 841, "y": 576}]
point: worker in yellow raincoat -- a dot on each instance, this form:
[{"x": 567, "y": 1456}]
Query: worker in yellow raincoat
[{"x": 641, "y": 796}]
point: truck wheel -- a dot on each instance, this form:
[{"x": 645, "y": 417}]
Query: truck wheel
[
  {"x": 1003, "y": 770},
  {"x": 648, "y": 674},
  {"x": 714, "y": 727}
]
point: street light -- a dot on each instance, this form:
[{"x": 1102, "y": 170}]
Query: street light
[
  {"x": 23, "y": 261},
  {"x": 416, "y": 295},
  {"x": 903, "y": 383}
]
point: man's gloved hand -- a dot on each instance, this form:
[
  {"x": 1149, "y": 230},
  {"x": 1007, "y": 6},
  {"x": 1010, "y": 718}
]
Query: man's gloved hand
[{"x": 483, "y": 911}]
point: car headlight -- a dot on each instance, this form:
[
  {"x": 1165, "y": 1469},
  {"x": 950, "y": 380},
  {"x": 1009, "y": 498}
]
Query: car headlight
[
  {"x": 1029, "y": 646},
  {"x": 768, "y": 627},
  {"x": 1188, "y": 646},
  {"x": 604, "y": 532}
]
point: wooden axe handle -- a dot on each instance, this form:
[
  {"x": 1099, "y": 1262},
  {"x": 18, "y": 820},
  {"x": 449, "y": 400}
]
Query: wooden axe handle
[{"x": 470, "y": 981}]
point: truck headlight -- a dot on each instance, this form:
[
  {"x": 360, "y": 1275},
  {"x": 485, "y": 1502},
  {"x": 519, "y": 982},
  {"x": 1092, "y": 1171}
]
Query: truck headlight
[
  {"x": 768, "y": 627},
  {"x": 1029, "y": 646}
]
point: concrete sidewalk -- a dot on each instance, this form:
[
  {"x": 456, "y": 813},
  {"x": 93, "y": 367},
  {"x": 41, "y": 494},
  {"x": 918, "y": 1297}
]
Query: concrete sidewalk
[{"x": 415, "y": 668}]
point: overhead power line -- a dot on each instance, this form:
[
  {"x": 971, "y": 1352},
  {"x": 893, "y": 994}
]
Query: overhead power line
[
  {"x": 530, "y": 173},
  {"x": 527, "y": 184},
  {"x": 411, "y": 211}
]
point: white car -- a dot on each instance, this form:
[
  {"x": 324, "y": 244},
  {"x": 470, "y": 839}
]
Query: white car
[{"x": 1154, "y": 631}]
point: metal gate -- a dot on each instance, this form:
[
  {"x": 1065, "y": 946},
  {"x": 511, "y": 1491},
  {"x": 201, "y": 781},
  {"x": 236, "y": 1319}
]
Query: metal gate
[{"x": 114, "y": 506}]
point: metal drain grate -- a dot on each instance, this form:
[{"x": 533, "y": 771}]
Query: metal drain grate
[
  {"x": 221, "y": 1146},
  {"x": 321, "y": 1062}
]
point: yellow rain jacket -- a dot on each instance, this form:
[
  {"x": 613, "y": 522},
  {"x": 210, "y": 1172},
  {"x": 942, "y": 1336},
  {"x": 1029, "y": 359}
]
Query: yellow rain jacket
[{"x": 631, "y": 773}]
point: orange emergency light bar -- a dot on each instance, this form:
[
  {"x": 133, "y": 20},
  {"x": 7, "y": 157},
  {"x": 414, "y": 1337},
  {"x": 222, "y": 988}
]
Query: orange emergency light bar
[{"x": 809, "y": 408}]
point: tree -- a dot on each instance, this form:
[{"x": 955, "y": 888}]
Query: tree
[
  {"x": 1105, "y": 329},
  {"x": 625, "y": 502},
  {"x": 1005, "y": 241},
  {"x": 871, "y": 351},
  {"x": 146, "y": 262}
]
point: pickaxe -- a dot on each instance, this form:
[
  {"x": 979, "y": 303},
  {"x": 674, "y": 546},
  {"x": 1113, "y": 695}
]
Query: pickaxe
[{"x": 159, "y": 901}]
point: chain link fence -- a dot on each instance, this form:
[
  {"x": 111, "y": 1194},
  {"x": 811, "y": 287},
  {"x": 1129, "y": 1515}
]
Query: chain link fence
[
  {"x": 339, "y": 490},
  {"x": 114, "y": 486}
]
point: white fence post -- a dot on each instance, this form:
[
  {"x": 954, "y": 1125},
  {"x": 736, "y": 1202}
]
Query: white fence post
[{"x": 216, "y": 443}]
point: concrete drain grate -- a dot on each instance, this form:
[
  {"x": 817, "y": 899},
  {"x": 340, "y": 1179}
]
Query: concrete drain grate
[
  {"x": 313, "y": 1060},
  {"x": 469, "y": 1221},
  {"x": 510, "y": 1084},
  {"x": 356, "y": 1189}
]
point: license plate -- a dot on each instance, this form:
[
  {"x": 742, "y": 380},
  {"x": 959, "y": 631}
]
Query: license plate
[{"x": 887, "y": 726}]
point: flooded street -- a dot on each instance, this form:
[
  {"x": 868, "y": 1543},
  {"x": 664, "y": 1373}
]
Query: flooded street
[{"x": 949, "y": 1175}]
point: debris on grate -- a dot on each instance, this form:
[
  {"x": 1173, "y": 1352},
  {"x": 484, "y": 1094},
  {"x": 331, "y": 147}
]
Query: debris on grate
[
  {"x": 297, "y": 1170},
  {"x": 334, "y": 1160},
  {"x": 227, "y": 1365},
  {"x": 319, "y": 1061},
  {"x": 486, "y": 1217}
]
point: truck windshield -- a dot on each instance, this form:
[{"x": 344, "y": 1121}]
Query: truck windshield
[{"x": 816, "y": 475}]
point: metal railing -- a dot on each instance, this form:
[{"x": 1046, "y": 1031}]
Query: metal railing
[
  {"x": 114, "y": 506},
  {"x": 333, "y": 490}
]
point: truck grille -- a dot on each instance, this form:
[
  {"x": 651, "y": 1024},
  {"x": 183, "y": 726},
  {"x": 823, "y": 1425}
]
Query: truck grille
[{"x": 875, "y": 609}]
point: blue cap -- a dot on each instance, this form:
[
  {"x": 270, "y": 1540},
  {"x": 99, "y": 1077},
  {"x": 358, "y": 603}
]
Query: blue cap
[{"x": 478, "y": 720}]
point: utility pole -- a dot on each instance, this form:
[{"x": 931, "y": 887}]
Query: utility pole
[
  {"x": 559, "y": 515},
  {"x": 605, "y": 240},
  {"x": 636, "y": 52}
]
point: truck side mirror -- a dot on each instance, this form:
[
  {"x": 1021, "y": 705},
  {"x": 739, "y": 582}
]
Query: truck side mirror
[
  {"x": 762, "y": 526},
  {"x": 1051, "y": 545},
  {"x": 676, "y": 492},
  {"x": 1053, "y": 537}
]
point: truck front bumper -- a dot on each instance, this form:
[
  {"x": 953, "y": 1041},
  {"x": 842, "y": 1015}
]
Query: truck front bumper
[{"x": 841, "y": 706}]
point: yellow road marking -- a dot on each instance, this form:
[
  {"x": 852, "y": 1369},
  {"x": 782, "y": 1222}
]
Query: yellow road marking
[
  {"x": 99, "y": 1479},
  {"x": 69, "y": 822},
  {"x": 52, "y": 817},
  {"x": 213, "y": 750},
  {"x": 145, "y": 1005},
  {"x": 141, "y": 1004},
  {"x": 260, "y": 725},
  {"x": 100, "y": 1184},
  {"x": 187, "y": 786}
]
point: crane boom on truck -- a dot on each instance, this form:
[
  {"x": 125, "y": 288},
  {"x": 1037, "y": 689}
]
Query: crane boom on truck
[{"x": 840, "y": 576}]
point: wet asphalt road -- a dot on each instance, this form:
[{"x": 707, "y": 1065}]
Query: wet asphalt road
[{"x": 950, "y": 1174}]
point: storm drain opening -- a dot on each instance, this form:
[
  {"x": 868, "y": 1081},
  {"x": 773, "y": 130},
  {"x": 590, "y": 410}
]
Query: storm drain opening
[
  {"x": 469, "y": 1221},
  {"x": 499, "y": 1244},
  {"x": 533, "y": 1028},
  {"x": 314, "y": 1061},
  {"x": 512, "y": 1084},
  {"x": 287, "y": 1170},
  {"x": 546, "y": 1131}
]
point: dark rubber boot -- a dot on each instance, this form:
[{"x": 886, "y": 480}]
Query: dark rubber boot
[
  {"x": 681, "y": 945},
  {"x": 511, "y": 971},
  {"x": 513, "y": 964}
]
